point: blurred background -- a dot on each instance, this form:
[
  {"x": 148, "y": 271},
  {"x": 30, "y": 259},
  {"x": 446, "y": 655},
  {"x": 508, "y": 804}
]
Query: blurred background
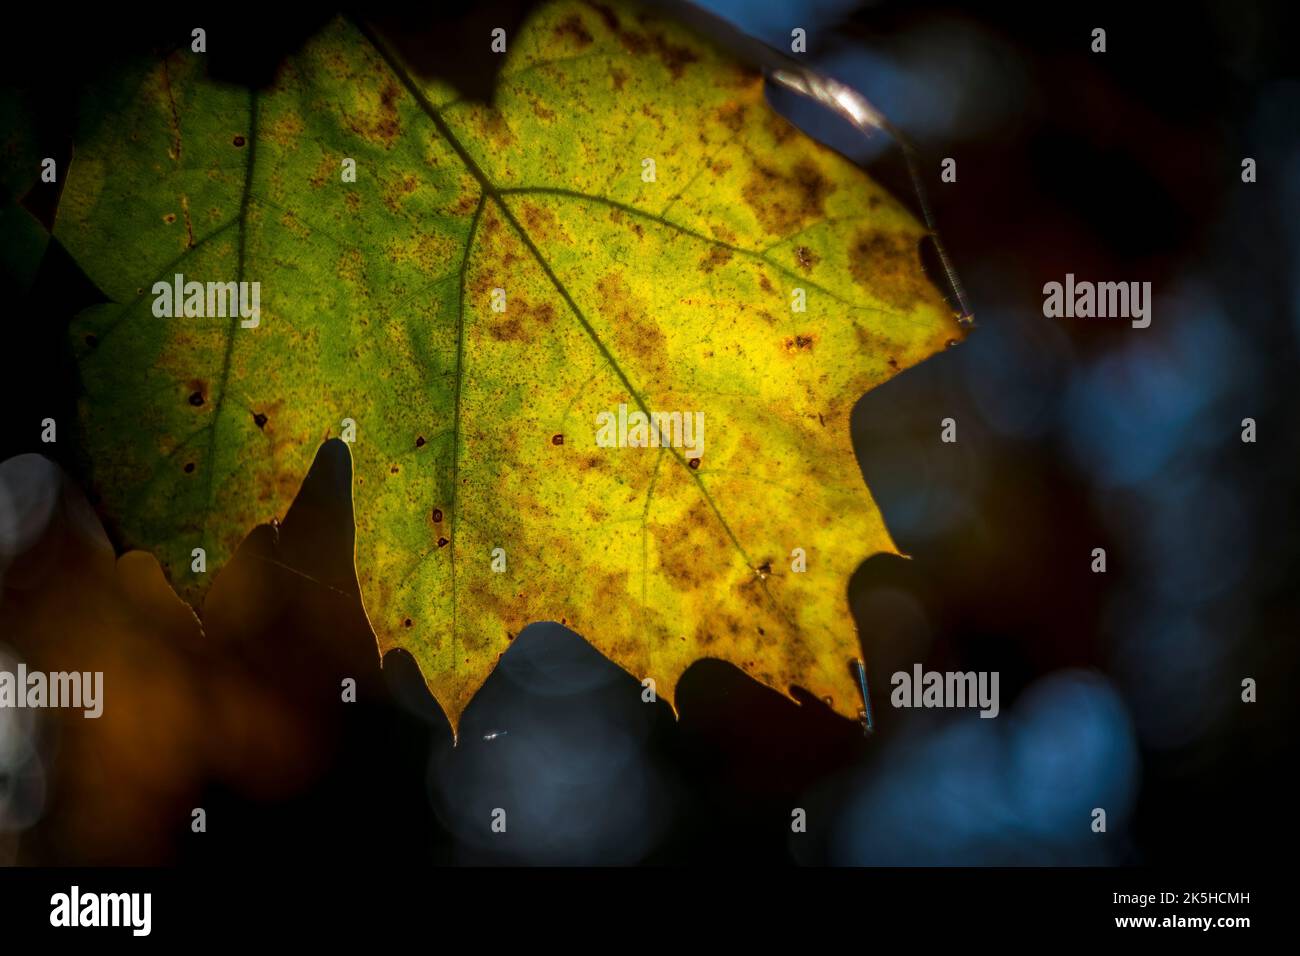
[{"x": 1119, "y": 690}]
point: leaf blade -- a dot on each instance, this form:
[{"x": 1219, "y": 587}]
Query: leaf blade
[{"x": 672, "y": 295}]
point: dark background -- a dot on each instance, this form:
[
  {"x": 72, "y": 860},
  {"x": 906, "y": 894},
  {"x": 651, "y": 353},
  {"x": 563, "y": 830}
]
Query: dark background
[{"x": 1119, "y": 690}]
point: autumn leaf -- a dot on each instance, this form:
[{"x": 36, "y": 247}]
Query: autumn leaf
[{"x": 476, "y": 429}]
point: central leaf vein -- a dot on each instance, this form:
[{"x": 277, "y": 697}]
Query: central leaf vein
[{"x": 490, "y": 189}]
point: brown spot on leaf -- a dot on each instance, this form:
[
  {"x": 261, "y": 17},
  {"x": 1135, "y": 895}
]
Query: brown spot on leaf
[
  {"x": 813, "y": 186},
  {"x": 323, "y": 173},
  {"x": 717, "y": 256},
  {"x": 636, "y": 332},
  {"x": 498, "y": 130},
  {"x": 611, "y": 588},
  {"x": 732, "y": 115},
  {"x": 573, "y": 28},
  {"x": 888, "y": 266},
  {"x": 259, "y": 420},
  {"x": 395, "y": 193},
  {"x": 540, "y": 221},
  {"x": 350, "y": 267},
  {"x": 634, "y": 43},
  {"x": 806, "y": 258},
  {"x": 507, "y": 330},
  {"x": 673, "y": 56},
  {"x": 196, "y": 398},
  {"x": 419, "y": 441},
  {"x": 557, "y": 439},
  {"x": 612, "y": 22},
  {"x": 377, "y": 122},
  {"x": 682, "y": 545},
  {"x": 526, "y": 321},
  {"x": 388, "y": 126},
  {"x": 238, "y": 141},
  {"x": 437, "y": 515},
  {"x": 285, "y": 130},
  {"x": 676, "y": 58},
  {"x": 780, "y": 127},
  {"x": 442, "y": 542},
  {"x": 782, "y": 202}
]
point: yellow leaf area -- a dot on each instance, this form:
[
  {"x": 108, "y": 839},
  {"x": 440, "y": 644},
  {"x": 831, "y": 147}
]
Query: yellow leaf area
[{"x": 629, "y": 224}]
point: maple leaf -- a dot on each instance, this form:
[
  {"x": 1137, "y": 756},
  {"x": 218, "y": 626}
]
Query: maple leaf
[{"x": 482, "y": 499}]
